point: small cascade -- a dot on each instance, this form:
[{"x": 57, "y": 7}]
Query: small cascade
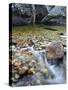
[{"x": 56, "y": 72}]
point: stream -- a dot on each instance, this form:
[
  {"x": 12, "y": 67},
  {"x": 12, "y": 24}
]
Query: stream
[{"x": 40, "y": 78}]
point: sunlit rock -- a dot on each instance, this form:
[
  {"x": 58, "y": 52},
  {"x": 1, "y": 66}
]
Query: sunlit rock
[{"x": 55, "y": 50}]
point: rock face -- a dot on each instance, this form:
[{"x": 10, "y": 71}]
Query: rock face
[
  {"x": 55, "y": 50},
  {"x": 17, "y": 20},
  {"x": 60, "y": 21},
  {"x": 57, "y": 10},
  {"x": 56, "y": 15},
  {"x": 22, "y": 13},
  {"x": 41, "y": 12}
]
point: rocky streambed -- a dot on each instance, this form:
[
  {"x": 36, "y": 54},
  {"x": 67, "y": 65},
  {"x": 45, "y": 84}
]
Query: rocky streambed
[{"x": 26, "y": 70}]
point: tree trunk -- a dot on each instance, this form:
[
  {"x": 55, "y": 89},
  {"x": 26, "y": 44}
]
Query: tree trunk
[{"x": 33, "y": 14}]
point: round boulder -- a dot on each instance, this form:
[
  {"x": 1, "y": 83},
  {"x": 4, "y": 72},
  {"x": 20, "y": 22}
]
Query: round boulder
[{"x": 55, "y": 50}]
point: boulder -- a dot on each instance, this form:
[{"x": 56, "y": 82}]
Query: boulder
[{"x": 55, "y": 50}]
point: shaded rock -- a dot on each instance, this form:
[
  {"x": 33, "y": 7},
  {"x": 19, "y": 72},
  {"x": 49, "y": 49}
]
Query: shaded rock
[
  {"x": 18, "y": 20},
  {"x": 40, "y": 9},
  {"x": 22, "y": 13},
  {"x": 59, "y": 20},
  {"x": 26, "y": 81}
]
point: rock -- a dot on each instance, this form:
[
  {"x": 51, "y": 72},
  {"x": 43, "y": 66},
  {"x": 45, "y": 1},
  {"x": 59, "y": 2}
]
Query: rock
[
  {"x": 17, "y": 54},
  {"x": 31, "y": 71},
  {"x": 61, "y": 33},
  {"x": 30, "y": 42},
  {"x": 22, "y": 13},
  {"x": 17, "y": 76},
  {"x": 57, "y": 21},
  {"x": 13, "y": 79},
  {"x": 32, "y": 62},
  {"x": 40, "y": 9},
  {"x": 22, "y": 70},
  {"x": 12, "y": 41},
  {"x": 38, "y": 81},
  {"x": 43, "y": 46},
  {"x": 29, "y": 53},
  {"x": 18, "y": 20},
  {"x": 23, "y": 49},
  {"x": 12, "y": 47},
  {"x": 20, "y": 42},
  {"x": 16, "y": 62},
  {"x": 55, "y": 50},
  {"x": 44, "y": 70},
  {"x": 64, "y": 45},
  {"x": 21, "y": 57},
  {"x": 18, "y": 48}
]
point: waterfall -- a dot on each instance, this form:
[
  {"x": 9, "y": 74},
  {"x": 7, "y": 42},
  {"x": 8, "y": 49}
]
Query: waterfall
[
  {"x": 57, "y": 73},
  {"x": 50, "y": 67}
]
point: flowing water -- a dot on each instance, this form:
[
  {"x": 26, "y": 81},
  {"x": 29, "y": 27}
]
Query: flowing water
[
  {"x": 40, "y": 34},
  {"x": 41, "y": 78}
]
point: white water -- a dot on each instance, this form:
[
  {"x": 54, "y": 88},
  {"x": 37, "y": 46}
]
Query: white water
[
  {"x": 57, "y": 71},
  {"x": 38, "y": 55},
  {"x": 59, "y": 75}
]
